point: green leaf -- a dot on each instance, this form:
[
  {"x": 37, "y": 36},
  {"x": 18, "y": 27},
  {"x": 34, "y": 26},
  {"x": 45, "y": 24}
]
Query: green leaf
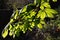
[
  {"x": 11, "y": 20},
  {"x": 43, "y": 15},
  {"x": 16, "y": 14},
  {"x": 5, "y": 33},
  {"x": 17, "y": 26},
  {"x": 10, "y": 27},
  {"x": 52, "y": 11},
  {"x": 37, "y": 2},
  {"x": 41, "y": 7},
  {"x": 32, "y": 24},
  {"x": 32, "y": 13},
  {"x": 49, "y": 14},
  {"x": 24, "y": 9},
  {"x": 10, "y": 33},
  {"x": 30, "y": 29},
  {"x": 54, "y": 0},
  {"x": 39, "y": 13},
  {"x": 46, "y": 4},
  {"x": 42, "y": 22},
  {"x": 39, "y": 26}
]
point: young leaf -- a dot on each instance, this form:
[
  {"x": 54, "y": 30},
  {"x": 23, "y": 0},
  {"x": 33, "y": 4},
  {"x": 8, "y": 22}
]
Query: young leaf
[
  {"x": 10, "y": 33},
  {"x": 41, "y": 7},
  {"x": 11, "y": 20},
  {"x": 39, "y": 13},
  {"x": 10, "y": 27},
  {"x": 54, "y": 0},
  {"x": 46, "y": 4},
  {"x": 32, "y": 13},
  {"x": 5, "y": 33},
  {"x": 30, "y": 29},
  {"x": 39, "y": 26},
  {"x": 49, "y": 14},
  {"x": 43, "y": 15},
  {"x": 16, "y": 14},
  {"x": 24, "y": 9},
  {"x": 42, "y": 22},
  {"x": 37, "y": 2},
  {"x": 52, "y": 11}
]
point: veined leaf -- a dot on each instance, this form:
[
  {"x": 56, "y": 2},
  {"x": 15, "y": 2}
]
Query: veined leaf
[
  {"x": 43, "y": 15},
  {"x": 24, "y": 9},
  {"x": 5, "y": 33},
  {"x": 39, "y": 26},
  {"x": 46, "y": 4}
]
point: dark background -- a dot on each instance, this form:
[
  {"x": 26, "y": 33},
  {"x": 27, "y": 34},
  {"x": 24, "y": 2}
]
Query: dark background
[{"x": 6, "y": 12}]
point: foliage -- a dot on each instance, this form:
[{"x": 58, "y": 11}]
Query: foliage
[{"x": 30, "y": 16}]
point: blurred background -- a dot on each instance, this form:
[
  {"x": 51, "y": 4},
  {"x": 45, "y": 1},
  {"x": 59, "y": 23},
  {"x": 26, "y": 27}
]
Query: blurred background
[{"x": 6, "y": 10}]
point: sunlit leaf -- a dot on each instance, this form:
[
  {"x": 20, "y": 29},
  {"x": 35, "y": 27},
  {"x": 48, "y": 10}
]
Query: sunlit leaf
[
  {"x": 16, "y": 14},
  {"x": 24, "y": 9},
  {"x": 42, "y": 22},
  {"x": 54, "y": 0},
  {"x": 43, "y": 15},
  {"x": 17, "y": 26},
  {"x": 39, "y": 26},
  {"x": 49, "y": 14},
  {"x": 52, "y": 11},
  {"x": 5, "y": 33},
  {"x": 10, "y": 33},
  {"x": 39, "y": 13},
  {"x": 37, "y": 2},
  {"x": 10, "y": 27},
  {"x": 46, "y": 4},
  {"x": 32, "y": 24},
  {"x": 41, "y": 7},
  {"x": 32, "y": 13},
  {"x": 11, "y": 20}
]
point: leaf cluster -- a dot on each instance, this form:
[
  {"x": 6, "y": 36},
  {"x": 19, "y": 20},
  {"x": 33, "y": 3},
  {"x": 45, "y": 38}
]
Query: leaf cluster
[{"x": 30, "y": 16}]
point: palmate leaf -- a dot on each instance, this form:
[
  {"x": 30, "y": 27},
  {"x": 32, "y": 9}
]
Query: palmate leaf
[{"x": 5, "y": 33}]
